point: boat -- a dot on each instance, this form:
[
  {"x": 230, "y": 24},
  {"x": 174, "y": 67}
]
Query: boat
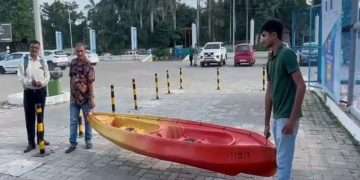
[{"x": 216, "y": 148}]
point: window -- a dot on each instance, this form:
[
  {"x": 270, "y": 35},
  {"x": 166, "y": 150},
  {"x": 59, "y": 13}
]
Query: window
[
  {"x": 326, "y": 6},
  {"x": 212, "y": 46},
  {"x": 14, "y": 56},
  {"x": 60, "y": 53},
  {"x": 243, "y": 48},
  {"x": 47, "y": 53},
  {"x": 331, "y": 4}
]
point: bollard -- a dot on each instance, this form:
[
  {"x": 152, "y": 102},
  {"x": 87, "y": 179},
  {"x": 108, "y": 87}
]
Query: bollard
[
  {"x": 168, "y": 82},
  {"x": 156, "y": 86},
  {"x": 218, "y": 78},
  {"x": 40, "y": 128},
  {"x": 263, "y": 78},
  {"x": 112, "y": 98},
  {"x": 81, "y": 126},
  {"x": 181, "y": 81},
  {"x": 134, "y": 92}
]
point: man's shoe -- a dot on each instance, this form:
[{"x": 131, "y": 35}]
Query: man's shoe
[
  {"x": 88, "y": 146},
  {"x": 70, "y": 149},
  {"x": 29, "y": 148}
]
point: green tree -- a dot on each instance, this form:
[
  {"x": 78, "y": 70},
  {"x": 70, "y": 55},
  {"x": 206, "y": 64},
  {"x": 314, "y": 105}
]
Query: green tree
[{"x": 19, "y": 14}]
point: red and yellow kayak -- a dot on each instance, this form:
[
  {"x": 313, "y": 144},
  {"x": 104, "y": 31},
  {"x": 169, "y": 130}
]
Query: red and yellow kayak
[{"x": 217, "y": 148}]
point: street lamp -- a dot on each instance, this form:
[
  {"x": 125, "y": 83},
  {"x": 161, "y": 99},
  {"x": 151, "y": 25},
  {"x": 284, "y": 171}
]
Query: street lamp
[
  {"x": 70, "y": 30},
  {"x": 38, "y": 29}
]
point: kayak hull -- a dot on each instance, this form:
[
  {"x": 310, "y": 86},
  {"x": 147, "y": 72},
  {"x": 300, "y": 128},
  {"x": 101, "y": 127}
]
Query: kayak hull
[{"x": 217, "y": 148}]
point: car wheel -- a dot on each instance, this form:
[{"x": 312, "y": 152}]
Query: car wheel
[
  {"x": 2, "y": 70},
  {"x": 51, "y": 66}
]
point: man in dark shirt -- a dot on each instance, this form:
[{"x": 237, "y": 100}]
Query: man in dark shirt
[
  {"x": 82, "y": 77},
  {"x": 284, "y": 96}
]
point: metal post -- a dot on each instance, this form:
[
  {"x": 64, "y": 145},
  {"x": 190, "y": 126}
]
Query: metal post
[
  {"x": 38, "y": 28},
  {"x": 40, "y": 128},
  {"x": 134, "y": 92},
  {"x": 156, "y": 86},
  {"x": 168, "y": 82},
  {"x": 218, "y": 78},
  {"x": 70, "y": 30},
  {"x": 234, "y": 28},
  {"x": 198, "y": 21},
  {"x": 263, "y": 77},
  {"x": 181, "y": 87},
  {"x": 81, "y": 126},
  {"x": 352, "y": 66},
  {"x": 247, "y": 21},
  {"x": 112, "y": 98}
]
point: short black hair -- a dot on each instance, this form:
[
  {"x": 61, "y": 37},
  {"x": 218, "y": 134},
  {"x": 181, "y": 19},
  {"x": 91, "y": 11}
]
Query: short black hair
[
  {"x": 34, "y": 42},
  {"x": 273, "y": 25}
]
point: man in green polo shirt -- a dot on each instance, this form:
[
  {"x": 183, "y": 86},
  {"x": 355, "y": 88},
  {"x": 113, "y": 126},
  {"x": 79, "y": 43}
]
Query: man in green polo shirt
[{"x": 284, "y": 96}]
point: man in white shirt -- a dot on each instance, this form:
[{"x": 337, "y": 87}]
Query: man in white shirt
[{"x": 34, "y": 75}]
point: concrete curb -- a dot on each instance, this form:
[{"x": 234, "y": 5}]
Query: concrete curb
[
  {"x": 17, "y": 99},
  {"x": 349, "y": 124}
]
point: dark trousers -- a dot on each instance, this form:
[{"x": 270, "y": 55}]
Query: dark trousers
[
  {"x": 191, "y": 60},
  {"x": 31, "y": 99}
]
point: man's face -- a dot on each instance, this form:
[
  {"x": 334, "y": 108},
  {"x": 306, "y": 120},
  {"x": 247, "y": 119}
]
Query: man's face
[
  {"x": 34, "y": 49},
  {"x": 267, "y": 39},
  {"x": 80, "y": 52}
]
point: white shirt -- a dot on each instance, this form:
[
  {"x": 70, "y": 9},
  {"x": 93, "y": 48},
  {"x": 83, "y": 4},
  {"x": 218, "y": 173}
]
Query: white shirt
[{"x": 35, "y": 71}]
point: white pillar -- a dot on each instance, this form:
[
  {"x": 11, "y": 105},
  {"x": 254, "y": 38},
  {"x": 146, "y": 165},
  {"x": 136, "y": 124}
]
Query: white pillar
[
  {"x": 38, "y": 29},
  {"x": 317, "y": 25},
  {"x": 193, "y": 35},
  {"x": 252, "y": 32}
]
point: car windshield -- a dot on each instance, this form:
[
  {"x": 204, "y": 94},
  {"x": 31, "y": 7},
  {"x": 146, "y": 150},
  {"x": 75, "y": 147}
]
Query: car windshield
[
  {"x": 243, "y": 48},
  {"x": 60, "y": 53},
  {"x": 212, "y": 46},
  {"x": 47, "y": 53}
]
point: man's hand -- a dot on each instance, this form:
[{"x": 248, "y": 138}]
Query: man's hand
[
  {"x": 267, "y": 133},
  {"x": 290, "y": 127},
  {"x": 36, "y": 83}
]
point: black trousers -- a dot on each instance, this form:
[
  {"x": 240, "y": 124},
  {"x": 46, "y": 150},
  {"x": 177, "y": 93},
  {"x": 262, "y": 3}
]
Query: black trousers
[{"x": 31, "y": 99}]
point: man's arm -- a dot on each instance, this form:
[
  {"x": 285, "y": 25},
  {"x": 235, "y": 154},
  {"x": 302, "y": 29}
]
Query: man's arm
[
  {"x": 299, "y": 97},
  {"x": 268, "y": 108}
]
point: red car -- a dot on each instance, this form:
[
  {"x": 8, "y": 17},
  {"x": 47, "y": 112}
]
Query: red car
[{"x": 244, "y": 54}]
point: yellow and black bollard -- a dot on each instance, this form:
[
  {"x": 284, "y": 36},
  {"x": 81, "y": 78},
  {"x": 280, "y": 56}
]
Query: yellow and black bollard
[
  {"x": 112, "y": 98},
  {"x": 263, "y": 78},
  {"x": 218, "y": 78},
  {"x": 81, "y": 126},
  {"x": 168, "y": 82},
  {"x": 134, "y": 92},
  {"x": 156, "y": 86},
  {"x": 181, "y": 80},
  {"x": 40, "y": 128}
]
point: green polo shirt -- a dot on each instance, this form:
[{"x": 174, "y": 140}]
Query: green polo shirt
[{"x": 280, "y": 66}]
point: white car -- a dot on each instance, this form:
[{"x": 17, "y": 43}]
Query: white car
[
  {"x": 11, "y": 63},
  {"x": 56, "y": 58},
  {"x": 92, "y": 57},
  {"x": 213, "y": 52}
]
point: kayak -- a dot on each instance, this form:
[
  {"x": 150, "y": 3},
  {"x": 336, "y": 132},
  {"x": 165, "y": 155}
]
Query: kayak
[{"x": 216, "y": 148}]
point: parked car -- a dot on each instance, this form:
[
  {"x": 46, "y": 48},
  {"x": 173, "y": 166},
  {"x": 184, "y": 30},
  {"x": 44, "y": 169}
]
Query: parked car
[
  {"x": 3, "y": 55},
  {"x": 92, "y": 57},
  {"x": 213, "y": 52},
  {"x": 12, "y": 62},
  {"x": 244, "y": 54},
  {"x": 56, "y": 58},
  {"x": 309, "y": 54}
]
